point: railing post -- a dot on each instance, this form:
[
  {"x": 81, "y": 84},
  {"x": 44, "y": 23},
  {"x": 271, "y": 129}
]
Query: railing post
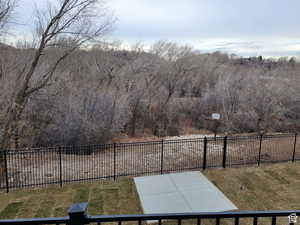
[
  {"x": 295, "y": 144},
  {"x": 162, "y": 157},
  {"x": 6, "y": 170},
  {"x": 77, "y": 214},
  {"x": 224, "y": 152},
  {"x": 115, "y": 161},
  {"x": 204, "y": 153},
  {"x": 60, "y": 167},
  {"x": 259, "y": 153}
]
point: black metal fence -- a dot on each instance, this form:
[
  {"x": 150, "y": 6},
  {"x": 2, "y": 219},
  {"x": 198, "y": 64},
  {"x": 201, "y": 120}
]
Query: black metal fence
[
  {"x": 63, "y": 164},
  {"x": 78, "y": 216}
]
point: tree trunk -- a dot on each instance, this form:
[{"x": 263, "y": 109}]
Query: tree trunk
[
  {"x": 133, "y": 125},
  {"x": 9, "y": 127}
]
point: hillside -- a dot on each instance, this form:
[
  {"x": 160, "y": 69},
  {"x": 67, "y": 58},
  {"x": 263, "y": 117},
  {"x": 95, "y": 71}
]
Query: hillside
[{"x": 99, "y": 94}]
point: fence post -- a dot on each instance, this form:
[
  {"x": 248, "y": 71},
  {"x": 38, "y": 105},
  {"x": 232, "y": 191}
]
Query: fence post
[
  {"x": 77, "y": 214},
  {"x": 115, "y": 163},
  {"x": 294, "y": 152},
  {"x": 60, "y": 167},
  {"x": 204, "y": 153},
  {"x": 224, "y": 152},
  {"x": 259, "y": 153},
  {"x": 6, "y": 171},
  {"x": 162, "y": 157}
]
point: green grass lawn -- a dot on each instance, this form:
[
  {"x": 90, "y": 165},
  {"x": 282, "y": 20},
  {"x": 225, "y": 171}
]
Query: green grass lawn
[
  {"x": 104, "y": 198},
  {"x": 269, "y": 187}
]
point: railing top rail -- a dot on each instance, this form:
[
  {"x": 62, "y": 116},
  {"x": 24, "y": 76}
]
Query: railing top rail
[
  {"x": 111, "y": 218},
  {"x": 57, "y": 147},
  {"x": 54, "y": 220},
  {"x": 77, "y": 213},
  {"x": 121, "y": 144},
  {"x": 203, "y": 215}
]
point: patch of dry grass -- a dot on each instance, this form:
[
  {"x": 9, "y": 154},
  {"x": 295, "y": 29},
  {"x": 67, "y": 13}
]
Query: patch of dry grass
[{"x": 268, "y": 187}]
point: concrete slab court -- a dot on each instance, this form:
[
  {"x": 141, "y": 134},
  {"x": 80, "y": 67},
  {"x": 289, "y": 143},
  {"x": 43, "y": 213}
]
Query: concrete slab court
[{"x": 179, "y": 193}]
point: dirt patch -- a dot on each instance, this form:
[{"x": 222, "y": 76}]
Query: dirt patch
[{"x": 46, "y": 166}]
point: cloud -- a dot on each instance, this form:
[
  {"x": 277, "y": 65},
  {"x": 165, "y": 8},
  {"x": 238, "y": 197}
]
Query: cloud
[
  {"x": 207, "y": 18},
  {"x": 234, "y": 26}
]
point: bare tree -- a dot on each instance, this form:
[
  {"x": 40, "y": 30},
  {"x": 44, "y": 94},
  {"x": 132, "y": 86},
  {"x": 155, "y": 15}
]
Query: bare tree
[
  {"x": 100, "y": 92},
  {"x": 169, "y": 50},
  {"x": 65, "y": 27},
  {"x": 6, "y": 10},
  {"x": 140, "y": 78}
]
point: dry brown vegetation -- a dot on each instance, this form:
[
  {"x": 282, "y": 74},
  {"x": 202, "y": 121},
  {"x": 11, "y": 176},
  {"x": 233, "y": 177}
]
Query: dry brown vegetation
[
  {"x": 105, "y": 92},
  {"x": 42, "y": 166}
]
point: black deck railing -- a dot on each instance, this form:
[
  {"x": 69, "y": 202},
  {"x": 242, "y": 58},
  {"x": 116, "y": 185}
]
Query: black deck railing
[
  {"x": 63, "y": 164},
  {"x": 78, "y": 216}
]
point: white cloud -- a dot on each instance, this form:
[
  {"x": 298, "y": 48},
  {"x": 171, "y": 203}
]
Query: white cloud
[{"x": 256, "y": 27}]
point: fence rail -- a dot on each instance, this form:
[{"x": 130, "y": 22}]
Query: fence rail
[
  {"x": 78, "y": 216},
  {"x": 63, "y": 164}
]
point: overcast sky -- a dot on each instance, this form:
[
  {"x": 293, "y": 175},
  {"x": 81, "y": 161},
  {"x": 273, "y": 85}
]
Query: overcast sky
[{"x": 247, "y": 28}]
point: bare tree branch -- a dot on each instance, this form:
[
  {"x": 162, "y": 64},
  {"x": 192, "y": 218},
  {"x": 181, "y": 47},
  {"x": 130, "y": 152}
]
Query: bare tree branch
[
  {"x": 71, "y": 20},
  {"x": 6, "y": 10}
]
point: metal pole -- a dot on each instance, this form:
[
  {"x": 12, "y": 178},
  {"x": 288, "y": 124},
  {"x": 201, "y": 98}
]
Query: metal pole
[
  {"x": 224, "y": 152},
  {"x": 294, "y": 152},
  {"x": 162, "y": 157},
  {"x": 259, "y": 153},
  {"x": 60, "y": 167},
  {"x": 6, "y": 171},
  {"x": 115, "y": 163},
  {"x": 274, "y": 219},
  {"x": 204, "y": 153}
]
